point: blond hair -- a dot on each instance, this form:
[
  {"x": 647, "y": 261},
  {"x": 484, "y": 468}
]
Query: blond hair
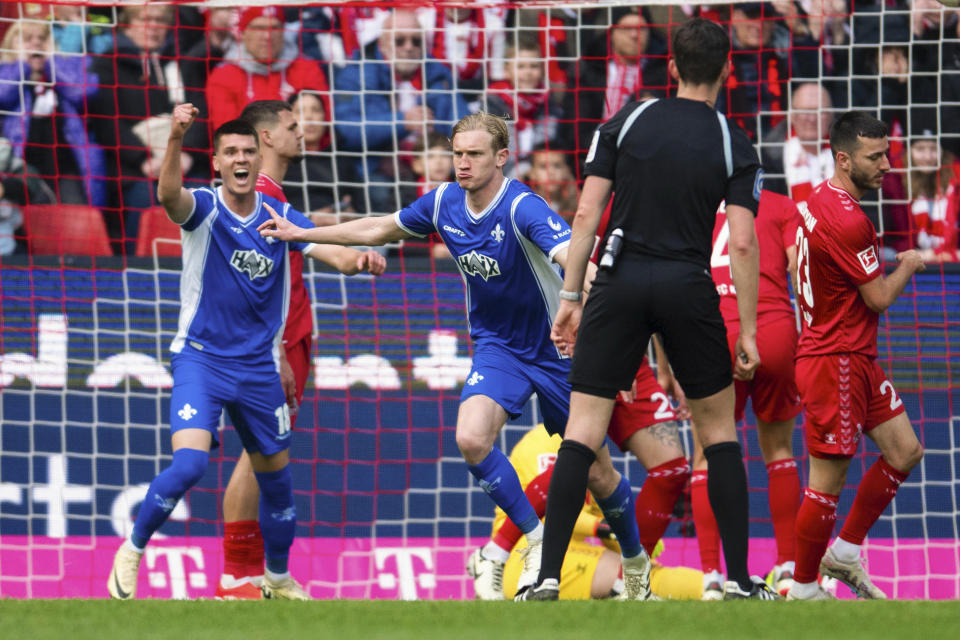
[
  {"x": 11, "y": 47},
  {"x": 483, "y": 121}
]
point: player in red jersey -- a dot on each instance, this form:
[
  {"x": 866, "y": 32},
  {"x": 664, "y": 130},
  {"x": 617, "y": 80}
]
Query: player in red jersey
[
  {"x": 773, "y": 388},
  {"x": 841, "y": 292},
  {"x": 242, "y": 543}
]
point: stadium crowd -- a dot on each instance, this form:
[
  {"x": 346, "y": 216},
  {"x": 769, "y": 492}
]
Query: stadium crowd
[{"x": 86, "y": 93}]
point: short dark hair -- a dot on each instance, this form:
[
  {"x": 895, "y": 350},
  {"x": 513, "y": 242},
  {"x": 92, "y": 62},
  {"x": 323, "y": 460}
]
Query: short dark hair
[
  {"x": 846, "y": 131},
  {"x": 700, "y": 50},
  {"x": 525, "y": 41},
  {"x": 238, "y": 127},
  {"x": 263, "y": 114}
]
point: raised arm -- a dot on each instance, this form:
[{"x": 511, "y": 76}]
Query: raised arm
[
  {"x": 177, "y": 201},
  {"x": 365, "y": 232},
  {"x": 881, "y": 292}
]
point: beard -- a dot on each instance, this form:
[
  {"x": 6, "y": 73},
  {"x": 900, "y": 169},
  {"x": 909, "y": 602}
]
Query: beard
[{"x": 863, "y": 180}]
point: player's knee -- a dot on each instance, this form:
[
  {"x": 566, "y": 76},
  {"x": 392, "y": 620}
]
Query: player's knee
[
  {"x": 908, "y": 458},
  {"x": 473, "y": 447},
  {"x": 189, "y": 465},
  {"x": 602, "y": 479}
]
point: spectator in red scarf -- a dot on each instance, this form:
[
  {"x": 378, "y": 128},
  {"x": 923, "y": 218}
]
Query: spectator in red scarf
[
  {"x": 468, "y": 40},
  {"x": 635, "y": 62},
  {"x": 263, "y": 65},
  {"x": 523, "y": 100},
  {"x": 924, "y": 200}
]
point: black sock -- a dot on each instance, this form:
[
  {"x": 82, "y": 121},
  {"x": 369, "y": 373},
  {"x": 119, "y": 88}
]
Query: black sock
[
  {"x": 727, "y": 488},
  {"x": 564, "y": 502}
]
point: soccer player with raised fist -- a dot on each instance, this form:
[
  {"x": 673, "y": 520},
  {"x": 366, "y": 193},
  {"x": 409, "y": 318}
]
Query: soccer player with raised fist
[
  {"x": 234, "y": 292},
  {"x": 279, "y": 135},
  {"x": 841, "y": 293}
]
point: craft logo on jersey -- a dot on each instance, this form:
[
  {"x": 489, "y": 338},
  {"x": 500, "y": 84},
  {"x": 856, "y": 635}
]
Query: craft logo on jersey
[
  {"x": 454, "y": 231},
  {"x": 477, "y": 264},
  {"x": 868, "y": 260},
  {"x": 251, "y": 263}
]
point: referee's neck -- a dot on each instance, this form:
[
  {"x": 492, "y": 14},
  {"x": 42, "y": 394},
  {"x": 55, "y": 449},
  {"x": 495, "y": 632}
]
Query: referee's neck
[{"x": 700, "y": 92}]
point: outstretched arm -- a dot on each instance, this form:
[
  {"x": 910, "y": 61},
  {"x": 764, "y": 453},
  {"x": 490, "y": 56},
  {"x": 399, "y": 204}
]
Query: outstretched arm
[
  {"x": 365, "y": 232},
  {"x": 349, "y": 261},
  {"x": 177, "y": 201}
]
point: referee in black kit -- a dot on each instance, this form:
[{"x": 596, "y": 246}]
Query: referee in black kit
[{"x": 670, "y": 163}]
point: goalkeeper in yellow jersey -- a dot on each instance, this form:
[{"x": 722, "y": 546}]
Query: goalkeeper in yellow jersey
[{"x": 589, "y": 570}]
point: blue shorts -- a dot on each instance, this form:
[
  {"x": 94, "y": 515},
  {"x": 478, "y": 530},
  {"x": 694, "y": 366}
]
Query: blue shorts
[
  {"x": 509, "y": 381},
  {"x": 204, "y": 385}
]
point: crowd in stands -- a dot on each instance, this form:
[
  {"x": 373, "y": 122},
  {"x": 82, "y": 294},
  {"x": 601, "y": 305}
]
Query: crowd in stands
[{"x": 85, "y": 93}]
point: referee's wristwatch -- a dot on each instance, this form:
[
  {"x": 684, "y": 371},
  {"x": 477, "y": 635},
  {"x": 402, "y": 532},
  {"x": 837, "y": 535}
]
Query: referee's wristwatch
[{"x": 572, "y": 296}]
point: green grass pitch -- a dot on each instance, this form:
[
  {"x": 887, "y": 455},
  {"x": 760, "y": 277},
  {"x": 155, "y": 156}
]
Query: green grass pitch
[{"x": 349, "y": 619}]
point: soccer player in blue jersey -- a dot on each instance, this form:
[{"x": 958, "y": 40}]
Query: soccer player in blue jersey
[
  {"x": 234, "y": 294},
  {"x": 504, "y": 238}
]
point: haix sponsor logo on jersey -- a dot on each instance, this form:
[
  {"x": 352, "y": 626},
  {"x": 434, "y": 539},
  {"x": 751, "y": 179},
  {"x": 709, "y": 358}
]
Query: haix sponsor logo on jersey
[
  {"x": 808, "y": 220},
  {"x": 477, "y": 264},
  {"x": 251, "y": 263},
  {"x": 868, "y": 260},
  {"x": 454, "y": 231}
]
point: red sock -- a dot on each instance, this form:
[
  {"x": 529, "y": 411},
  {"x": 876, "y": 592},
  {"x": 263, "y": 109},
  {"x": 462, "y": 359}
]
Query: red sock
[
  {"x": 708, "y": 536},
  {"x": 784, "y": 495},
  {"x": 536, "y": 492},
  {"x": 657, "y": 497},
  {"x": 815, "y": 519},
  {"x": 238, "y": 540},
  {"x": 877, "y": 489}
]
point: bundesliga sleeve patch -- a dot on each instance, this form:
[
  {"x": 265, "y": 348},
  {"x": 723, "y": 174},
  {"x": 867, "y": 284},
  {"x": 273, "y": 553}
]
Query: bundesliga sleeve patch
[
  {"x": 868, "y": 260},
  {"x": 593, "y": 146}
]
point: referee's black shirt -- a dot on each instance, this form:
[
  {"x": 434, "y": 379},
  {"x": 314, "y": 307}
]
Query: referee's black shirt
[{"x": 672, "y": 162}]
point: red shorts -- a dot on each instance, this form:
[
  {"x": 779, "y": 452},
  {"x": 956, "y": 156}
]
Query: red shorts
[
  {"x": 650, "y": 406},
  {"x": 845, "y": 395},
  {"x": 298, "y": 355},
  {"x": 774, "y": 387}
]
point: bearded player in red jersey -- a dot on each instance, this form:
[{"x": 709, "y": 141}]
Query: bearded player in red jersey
[
  {"x": 845, "y": 393},
  {"x": 773, "y": 389},
  {"x": 243, "y": 551}
]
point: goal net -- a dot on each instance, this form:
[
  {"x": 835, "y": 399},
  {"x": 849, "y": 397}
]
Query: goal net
[{"x": 89, "y": 267}]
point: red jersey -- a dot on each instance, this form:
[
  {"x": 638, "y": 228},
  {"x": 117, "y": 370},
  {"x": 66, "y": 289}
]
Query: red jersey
[
  {"x": 836, "y": 253},
  {"x": 776, "y": 224},
  {"x": 299, "y": 316}
]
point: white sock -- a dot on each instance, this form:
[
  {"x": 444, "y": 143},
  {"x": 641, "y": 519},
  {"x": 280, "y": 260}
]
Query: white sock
[
  {"x": 804, "y": 590},
  {"x": 845, "y": 551},
  {"x": 713, "y": 576},
  {"x": 789, "y": 565},
  {"x": 536, "y": 535},
  {"x": 493, "y": 551},
  {"x": 276, "y": 577},
  {"x": 132, "y": 547}
]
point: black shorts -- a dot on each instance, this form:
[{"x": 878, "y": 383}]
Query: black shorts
[{"x": 642, "y": 296}]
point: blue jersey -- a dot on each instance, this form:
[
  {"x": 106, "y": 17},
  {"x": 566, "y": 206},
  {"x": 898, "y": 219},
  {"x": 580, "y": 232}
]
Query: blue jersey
[
  {"x": 504, "y": 253},
  {"x": 235, "y": 285}
]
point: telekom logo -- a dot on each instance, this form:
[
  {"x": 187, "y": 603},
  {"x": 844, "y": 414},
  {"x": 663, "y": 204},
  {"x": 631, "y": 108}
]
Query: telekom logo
[
  {"x": 405, "y": 576},
  {"x": 178, "y": 574}
]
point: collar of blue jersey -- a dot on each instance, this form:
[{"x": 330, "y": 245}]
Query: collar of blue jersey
[{"x": 477, "y": 217}]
